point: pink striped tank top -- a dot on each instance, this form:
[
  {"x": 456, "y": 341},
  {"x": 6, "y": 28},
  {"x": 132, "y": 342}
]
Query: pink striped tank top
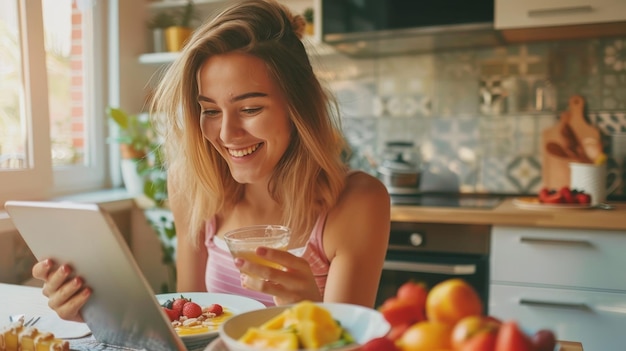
[{"x": 223, "y": 277}]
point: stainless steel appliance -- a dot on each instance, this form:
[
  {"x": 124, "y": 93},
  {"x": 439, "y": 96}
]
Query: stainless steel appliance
[
  {"x": 374, "y": 27},
  {"x": 434, "y": 252},
  {"x": 443, "y": 199},
  {"x": 400, "y": 168}
]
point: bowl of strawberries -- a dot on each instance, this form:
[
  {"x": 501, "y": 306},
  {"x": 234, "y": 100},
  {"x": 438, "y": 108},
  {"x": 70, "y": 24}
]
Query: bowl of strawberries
[
  {"x": 562, "y": 198},
  {"x": 196, "y": 316}
]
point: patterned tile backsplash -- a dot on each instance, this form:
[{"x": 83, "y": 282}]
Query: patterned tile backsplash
[{"x": 478, "y": 113}]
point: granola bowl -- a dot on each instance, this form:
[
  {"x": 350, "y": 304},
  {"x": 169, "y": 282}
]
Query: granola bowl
[{"x": 197, "y": 333}]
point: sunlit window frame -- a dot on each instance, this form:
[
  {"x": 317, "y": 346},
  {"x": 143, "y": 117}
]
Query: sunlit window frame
[{"x": 41, "y": 181}]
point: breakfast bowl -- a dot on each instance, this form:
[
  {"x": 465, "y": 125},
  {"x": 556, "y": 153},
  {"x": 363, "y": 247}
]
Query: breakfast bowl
[
  {"x": 199, "y": 335},
  {"x": 358, "y": 324}
]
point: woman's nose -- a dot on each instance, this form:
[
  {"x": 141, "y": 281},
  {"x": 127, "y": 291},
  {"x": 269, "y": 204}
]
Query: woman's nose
[{"x": 231, "y": 127}]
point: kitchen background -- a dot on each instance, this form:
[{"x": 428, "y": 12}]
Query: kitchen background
[
  {"x": 474, "y": 115},
  {"x": 478, "y": 114}
]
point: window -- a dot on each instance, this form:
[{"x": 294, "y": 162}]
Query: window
[{"x": 52, "y": 129}]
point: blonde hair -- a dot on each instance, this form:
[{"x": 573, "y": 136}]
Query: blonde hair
[{"x": 310, "y": 176}]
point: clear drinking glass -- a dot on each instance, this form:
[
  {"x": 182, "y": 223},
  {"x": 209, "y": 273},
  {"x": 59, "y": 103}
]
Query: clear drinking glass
[{"x": 243, "y": 242}]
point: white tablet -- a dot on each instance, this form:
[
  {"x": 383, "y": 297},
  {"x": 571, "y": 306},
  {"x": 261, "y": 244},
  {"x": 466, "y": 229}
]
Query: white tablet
[{"x": 123, "y": 309}]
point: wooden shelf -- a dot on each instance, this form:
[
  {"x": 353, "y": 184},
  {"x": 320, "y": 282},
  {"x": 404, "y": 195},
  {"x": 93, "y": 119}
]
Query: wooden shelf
[
  {"x": 314, "y": 49},
  {"x": 158, "y": 57},
  {"x": 163, "y": 4}
]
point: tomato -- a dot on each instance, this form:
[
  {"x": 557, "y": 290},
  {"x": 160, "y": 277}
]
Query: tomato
[
  {"x": 412, "y": 291},
  {"x": 379, "y": 344},
  {"x": 401, "y": 311}
]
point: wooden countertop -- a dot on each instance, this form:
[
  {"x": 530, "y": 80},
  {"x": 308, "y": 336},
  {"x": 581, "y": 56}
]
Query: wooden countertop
[{"x": 506, "y": 213}]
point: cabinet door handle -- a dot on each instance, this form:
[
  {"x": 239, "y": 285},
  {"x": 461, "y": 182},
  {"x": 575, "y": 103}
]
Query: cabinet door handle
[
  {"x": 560, "y": 11},
  {"x": 570, "y": 242},
  {"x": 567, "y": 305},
  {"x": 449, "y": 269}
]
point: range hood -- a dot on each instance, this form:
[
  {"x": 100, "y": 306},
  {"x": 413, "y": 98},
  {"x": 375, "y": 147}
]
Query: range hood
[
  {"x": 371, "y": 28},
  {"x": 415, "y": 40}
]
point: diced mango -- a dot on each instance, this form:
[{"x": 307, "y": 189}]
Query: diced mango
[
  {"x": 277, "y": 322},
  {"x": 271, "y": 339},
  {"x": 314, "y": 335},
  {"x": 316, "y": 326},
  {"x": 305, "y": 325}
]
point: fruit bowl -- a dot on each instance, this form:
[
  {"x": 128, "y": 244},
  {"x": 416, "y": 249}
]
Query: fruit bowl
[{"x": 362, "y": 323}]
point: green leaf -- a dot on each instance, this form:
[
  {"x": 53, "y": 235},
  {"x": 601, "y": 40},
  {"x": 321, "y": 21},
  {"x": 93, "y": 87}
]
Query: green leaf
[{"x": 119, "y": 116}]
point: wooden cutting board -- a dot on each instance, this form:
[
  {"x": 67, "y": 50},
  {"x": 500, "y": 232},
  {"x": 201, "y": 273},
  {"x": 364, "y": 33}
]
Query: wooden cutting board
[
  {"x": 587, "y": 136},
  {"x": 571, "y": 139}
]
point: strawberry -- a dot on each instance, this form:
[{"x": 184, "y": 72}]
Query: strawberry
[
  {"x": 215, "y": 308},
  {"x": 178, "y": 304},
  {"x": 543, "y": 194},
  {"x": 192, "y": 310},
  {"x": 555, "y": 198},
  {"x": 567, "y": 195},
  {"x": 583, "y": 198},
  {"x": 168, "y": 303},
  {"x": 171, "y": 314}
]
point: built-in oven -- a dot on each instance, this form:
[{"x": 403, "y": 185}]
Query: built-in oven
[{"x": 434, "y": 252}]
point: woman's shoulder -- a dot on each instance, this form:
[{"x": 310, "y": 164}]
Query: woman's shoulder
[{"x": 361, "y": 186}]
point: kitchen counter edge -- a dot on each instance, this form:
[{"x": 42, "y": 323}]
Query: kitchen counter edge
[{"x": 506, "y": 213}]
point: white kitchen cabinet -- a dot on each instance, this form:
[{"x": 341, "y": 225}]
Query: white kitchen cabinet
[
  {"x": 511, "y": 14},
  {"x": 576, "y": 258},
  {"x": 567, "y": 280},
  {"x": 596, "y": 319}
]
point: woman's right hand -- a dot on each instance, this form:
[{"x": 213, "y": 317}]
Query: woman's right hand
[{"x": 66, "y": 293}]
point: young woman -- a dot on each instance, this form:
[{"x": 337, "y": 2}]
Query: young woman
[{"x": 251, "y": 138}]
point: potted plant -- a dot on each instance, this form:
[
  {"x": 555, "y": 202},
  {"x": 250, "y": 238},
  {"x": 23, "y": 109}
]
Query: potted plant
[
  {"x": 309, "y": 28},
  {"x": 159, "y": 22},
  {"x": 134, "y": 139},
  {"x": 177, "y": 34},
  {"x": 144, "y": 174},
  {"x": 134, "y": 134}
]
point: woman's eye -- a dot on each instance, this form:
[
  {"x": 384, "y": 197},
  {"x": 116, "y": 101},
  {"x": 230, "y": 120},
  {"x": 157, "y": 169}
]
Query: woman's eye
[
  {"x": 252, "y": 110},
  {"x": 210, "y": 113}
]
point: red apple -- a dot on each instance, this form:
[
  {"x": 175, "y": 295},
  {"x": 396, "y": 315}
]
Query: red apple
[
  {"x": 512, "y": 338},
  {"x": 483, "y": 341},
  {"x": 544, "y": 340}
]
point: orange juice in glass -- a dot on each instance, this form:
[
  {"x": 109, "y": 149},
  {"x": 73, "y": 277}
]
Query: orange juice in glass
[{"x": 243, "y": 242}]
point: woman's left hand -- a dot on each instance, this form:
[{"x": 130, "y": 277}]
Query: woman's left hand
[{"x": 293, "y": 284}]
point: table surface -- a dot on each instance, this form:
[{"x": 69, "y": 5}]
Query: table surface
[{"x": 19, "y": 299}]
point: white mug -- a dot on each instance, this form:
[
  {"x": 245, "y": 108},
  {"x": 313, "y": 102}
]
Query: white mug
[{"x": 591, "y": 178}]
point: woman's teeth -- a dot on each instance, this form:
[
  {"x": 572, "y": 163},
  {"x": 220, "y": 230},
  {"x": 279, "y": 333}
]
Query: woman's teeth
[{"x": 243, "y": 152}]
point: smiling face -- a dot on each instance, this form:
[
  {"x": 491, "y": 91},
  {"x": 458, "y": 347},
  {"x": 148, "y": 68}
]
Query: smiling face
[{"x": 243, "y": 115}]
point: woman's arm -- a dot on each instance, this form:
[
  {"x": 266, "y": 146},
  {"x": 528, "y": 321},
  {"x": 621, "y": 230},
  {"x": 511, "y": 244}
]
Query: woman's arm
[
  {"x": 356, "y": 239},
  {"x": 191, "y": 259}
]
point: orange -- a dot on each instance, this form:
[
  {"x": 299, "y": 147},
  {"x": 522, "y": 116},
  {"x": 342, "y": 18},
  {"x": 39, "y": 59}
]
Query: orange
[
  {"x": 470, "y": 326},
  {"x": 451, "y": 300},
  {"x": 426, "y": 336}
]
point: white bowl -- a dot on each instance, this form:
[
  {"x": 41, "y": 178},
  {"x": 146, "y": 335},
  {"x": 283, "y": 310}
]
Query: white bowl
[
  {"x": 232, "y": 303},
  {"x": 361, "y": 322}
]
